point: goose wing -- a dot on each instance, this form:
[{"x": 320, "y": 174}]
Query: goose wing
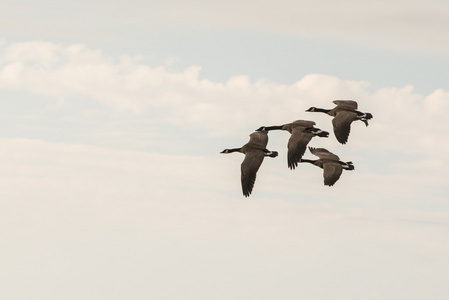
[
  {"x": 258, "y": 139},
  {"x": 303, "y": 123},
  {"x": 342, "y": 124},
  {"x": 250, "y": 166},
  {"x": 297, "y": 145},
  {"x": 331, "y": 172},
  {"x": 324, "y": 154},
  {"x": 347, "y": 104}
]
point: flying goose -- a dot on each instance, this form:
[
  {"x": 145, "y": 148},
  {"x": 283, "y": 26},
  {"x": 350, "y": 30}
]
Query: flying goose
[
  {"x": 302, "y": 132},
  {"x": 344, "y": 114},
  {"x": 255, "y": 151},
  {"x": 330, "y": 163}
]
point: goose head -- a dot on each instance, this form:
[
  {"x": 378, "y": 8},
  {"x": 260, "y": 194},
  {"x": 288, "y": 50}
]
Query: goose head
[
  {"x": 272, "y": 154},
  {"x": 262, "y": 128},
  {"x": 348, "y": 165},
  {"x": 323, "y": 134},
  {"x": 319, "y": 132},
  {"x": 311, "y": 109},
  {"x": 365, "y": 117}
]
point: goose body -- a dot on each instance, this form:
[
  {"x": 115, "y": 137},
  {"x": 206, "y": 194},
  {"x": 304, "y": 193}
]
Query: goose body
[
  {"x": 330, "y": 163},
  {"x": 302, "y": 131},
  {"x": 255, "y": 151},
  {"x": 344, "y": 114}
]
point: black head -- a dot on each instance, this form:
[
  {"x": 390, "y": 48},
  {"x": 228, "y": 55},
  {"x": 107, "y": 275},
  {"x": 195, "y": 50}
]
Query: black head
[
  {"x": 311, "y": 109},
  {"x": 317, "y": 131},
  {"x": 225, "y": 151},
  {"x": 320, "y": 133},
  {"x": 364, "y": 117},
  {"x": 262, "y": 128},
  {"x": 273, "y": 154},
  {"x": 323, "y": 134},
  {"x": 348, "y": 166}
]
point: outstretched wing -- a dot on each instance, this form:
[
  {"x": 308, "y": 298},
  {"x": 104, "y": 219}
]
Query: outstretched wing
[
  {"x": 342, "y": 125},
  {"x": 331, "y": 172},
  {"x": 250, "y": 166},
  {"x": 346, "y": 104},
  {"x": 297, "y": 145},
  {"x": 258, "y": 139},
  {"x": 303, "y": 123},
  {"x": 324, "y": 154}
]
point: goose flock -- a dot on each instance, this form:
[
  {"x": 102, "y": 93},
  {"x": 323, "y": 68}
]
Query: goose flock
[{"x": 301, "y": 133}]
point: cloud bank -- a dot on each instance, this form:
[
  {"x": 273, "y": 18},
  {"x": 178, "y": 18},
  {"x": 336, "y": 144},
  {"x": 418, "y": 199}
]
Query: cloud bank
[
  {"x": 403, "y": 120},
  {"x": 402, "y": 146}
]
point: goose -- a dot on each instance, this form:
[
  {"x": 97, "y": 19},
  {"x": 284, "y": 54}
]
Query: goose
[
  {"x": 255, "y": 151},
  {"x": 344, "y": 114},
  {"x": 330, "y": 163},
  {"x": 302, "y": 132}
]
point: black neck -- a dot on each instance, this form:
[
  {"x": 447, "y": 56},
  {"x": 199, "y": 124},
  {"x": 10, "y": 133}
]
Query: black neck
[
  {"x": 307, "y": 160},
  {"x": 268, "y": 128},
  {"x": 323, "y": 110}
]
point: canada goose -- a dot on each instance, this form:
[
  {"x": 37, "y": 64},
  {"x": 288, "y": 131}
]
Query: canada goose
[
  {"x": 255, "y": 151},
  {"x": 301, "y": 133},
  {"x": 344, "y": 114},
  {"x": 330, "y": 163}
]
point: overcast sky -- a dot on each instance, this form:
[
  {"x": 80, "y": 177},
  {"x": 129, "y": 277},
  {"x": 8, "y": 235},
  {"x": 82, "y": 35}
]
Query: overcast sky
[{"x": 114, "y": 113}]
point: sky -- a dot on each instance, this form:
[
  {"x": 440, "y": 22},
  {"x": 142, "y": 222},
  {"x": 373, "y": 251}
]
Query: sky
[{"x": 114, "y": 114}]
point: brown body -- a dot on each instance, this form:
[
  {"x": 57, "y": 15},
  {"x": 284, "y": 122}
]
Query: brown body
[{"x": 255, "y": 151}]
